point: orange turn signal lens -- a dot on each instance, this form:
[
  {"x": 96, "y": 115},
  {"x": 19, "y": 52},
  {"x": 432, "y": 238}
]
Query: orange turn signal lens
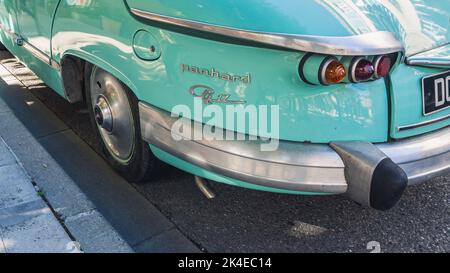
[{"x": 335, "y": 72}]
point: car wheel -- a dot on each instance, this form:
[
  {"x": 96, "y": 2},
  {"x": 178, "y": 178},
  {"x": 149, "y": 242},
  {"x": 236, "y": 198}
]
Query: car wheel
[
  {"x": 2, "y": 47},
  {"x": 114, "y": 113}
]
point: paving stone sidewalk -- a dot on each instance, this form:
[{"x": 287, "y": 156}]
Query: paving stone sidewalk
[
  {"x": 102, "y": 211},
  {"x": 27, "y": 224}
]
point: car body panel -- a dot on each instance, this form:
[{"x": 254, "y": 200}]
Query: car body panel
[
  {"x": 11, "y": 30},
  {"x": 338, "y": 110},
  {"x": 35, "y": 21},
  {"x": 46, "y": 72},
  {"x": 406, "y": 101},
  {"x": 8, "y": 18},
  {"x": 102, "y": 32},
  {"x": 420, "y": 24}
]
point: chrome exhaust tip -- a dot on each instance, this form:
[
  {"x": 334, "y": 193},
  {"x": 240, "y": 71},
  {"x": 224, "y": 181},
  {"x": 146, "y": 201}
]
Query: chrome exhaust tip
[
  {"x": 202, "y": 184},
  {"x": 374, "y": 180}
]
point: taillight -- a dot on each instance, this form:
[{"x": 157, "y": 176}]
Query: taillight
[
  {"x": 319, "y": 69},
  {"x": 334, "y": 72},
  {"x": 361, "y": 70},
  {"x": 383, "y": 65}
]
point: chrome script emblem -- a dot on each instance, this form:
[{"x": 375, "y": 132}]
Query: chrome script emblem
[
  {"x": 214, "y": 73},
  {"x": 207, "y": 94}
]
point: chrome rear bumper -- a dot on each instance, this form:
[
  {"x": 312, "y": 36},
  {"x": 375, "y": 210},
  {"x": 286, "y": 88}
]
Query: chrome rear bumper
[
  {"x": 422, "y": 157},
  {"x": 296, "y": 166}
]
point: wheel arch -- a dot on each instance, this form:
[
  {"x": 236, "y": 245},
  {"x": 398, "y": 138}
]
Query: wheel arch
[{"x": 72, "y": 65}]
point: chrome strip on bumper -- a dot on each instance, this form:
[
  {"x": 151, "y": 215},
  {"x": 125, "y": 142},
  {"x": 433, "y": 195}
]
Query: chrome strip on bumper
[
  {"x": 421, "y": 157},
  {"x": 294, "y": 166},
  {"x": 375, "y": 43},
  {"x": 422, "y": 124}
]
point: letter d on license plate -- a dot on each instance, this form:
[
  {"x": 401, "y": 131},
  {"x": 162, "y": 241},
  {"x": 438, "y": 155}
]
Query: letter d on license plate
[{"x": 436, "y": 93}]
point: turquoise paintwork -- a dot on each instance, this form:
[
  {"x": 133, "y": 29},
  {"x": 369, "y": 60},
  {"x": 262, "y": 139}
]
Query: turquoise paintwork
[
  {"x": 420, "y": 24},
  {"x": 9, "y": 14},
  {"x": 47, "y": 74},
  {"x": 102, "y": 32},
  {"x": 36, "y": 21},
  {"x": 405, "y": 108},
  {"x": 336, "y": 110},
  {"x": 8, "y": 18}
]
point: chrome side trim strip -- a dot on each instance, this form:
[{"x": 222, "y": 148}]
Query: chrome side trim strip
[
  {"x": 422, "y": 124},
  {"x": 36, "y": 52},
  {"x": 435, "y": 57},
  {"x": 375, "y": 43},
  {"x": 432, "y": 63},
  {"x": 19, "y": 41},
  {"x": 41, "y": 55}
]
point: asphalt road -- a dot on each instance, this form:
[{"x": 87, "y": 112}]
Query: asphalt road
[{"x": 241, "y": 220}]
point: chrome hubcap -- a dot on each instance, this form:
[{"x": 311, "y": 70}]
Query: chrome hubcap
[
  {"x": 103, "y": 114},
  {"x": 113, "y": 114}
]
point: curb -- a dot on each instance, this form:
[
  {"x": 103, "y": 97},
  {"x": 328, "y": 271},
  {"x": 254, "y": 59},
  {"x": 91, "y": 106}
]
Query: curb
[
  {"x": 65, "y": 199},
  {"x": 27, "y": 222}
]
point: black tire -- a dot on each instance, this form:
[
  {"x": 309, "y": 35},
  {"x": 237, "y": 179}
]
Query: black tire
[
  {"x": 143, "y": 166},
  {"x": 2, "y": 47}
]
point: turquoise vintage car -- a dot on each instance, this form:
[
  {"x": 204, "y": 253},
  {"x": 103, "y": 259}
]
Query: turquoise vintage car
[{"x": 353, "y": 95}]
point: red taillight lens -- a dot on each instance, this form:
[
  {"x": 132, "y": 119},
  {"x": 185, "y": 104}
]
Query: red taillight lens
[
  {"x": 383, "y": 65},
  {"x": 362, "y": 70}
]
